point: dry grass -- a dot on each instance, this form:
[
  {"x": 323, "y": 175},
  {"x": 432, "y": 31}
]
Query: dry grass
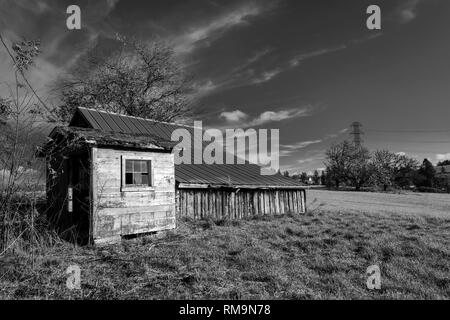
[{"x": 321, "y": 255}]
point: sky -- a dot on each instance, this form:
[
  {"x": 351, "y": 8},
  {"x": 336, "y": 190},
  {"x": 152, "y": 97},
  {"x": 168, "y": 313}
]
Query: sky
[{"x": 308, "y": 68}]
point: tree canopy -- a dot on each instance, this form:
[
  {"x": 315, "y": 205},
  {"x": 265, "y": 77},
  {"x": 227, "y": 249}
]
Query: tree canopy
[{"x": 139, "y": 79}]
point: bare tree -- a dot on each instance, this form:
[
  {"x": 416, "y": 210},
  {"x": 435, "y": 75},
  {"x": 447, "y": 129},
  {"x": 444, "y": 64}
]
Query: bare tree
[
  {"x": 390, "y": 169},
  {"x": 384, "y": 164},
  {"x": 346, "y": 162},
  {"x": 139, "y": 79},
  {"x": 337, "y": 162}
]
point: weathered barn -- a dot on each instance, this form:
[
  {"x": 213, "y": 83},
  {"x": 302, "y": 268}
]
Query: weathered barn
[{"x": 110, "y": 176}]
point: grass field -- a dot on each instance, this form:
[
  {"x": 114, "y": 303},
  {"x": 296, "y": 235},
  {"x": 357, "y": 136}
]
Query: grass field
[
  {"x": 411, "y": 203},
  {"x": 321, "y": 255}
]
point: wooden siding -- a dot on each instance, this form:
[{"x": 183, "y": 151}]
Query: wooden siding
[
  {"x": 118, "y": 212},
  {"x": 238, "y": 204}
]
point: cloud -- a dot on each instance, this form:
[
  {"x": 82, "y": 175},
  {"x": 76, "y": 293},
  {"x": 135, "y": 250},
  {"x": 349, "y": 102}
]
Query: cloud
[
  {"x": 442, "y": 157},
  {"x": 408, "y": 11},
  {"x": 306, "y": 160},
  {"x": 335, "y": 135},
  {"x": 111, "y": 4},
  {"x": 239, "y": 118},
  {"x": 301, "y": 145},
  {"x": 34, "y": 6},
  {"x": 308, "y": 55},
  {"x": 277, "y": 116},
  {"x": 204, "y": 88},
  {"x": 234, "y": 116},
  {"x": 246, "y": 74},
  {"x": 288, "y": 149},
  {"x": 253, "y": 59},
  {"x": 267, "y": 76},
  {"x": 210, "y": 31},
  {"x": 258, "y": 55}
]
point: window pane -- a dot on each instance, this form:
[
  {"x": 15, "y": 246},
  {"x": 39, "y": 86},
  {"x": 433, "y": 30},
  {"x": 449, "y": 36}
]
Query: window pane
[
  {"x": 137, "y": 178},
  {"x": 129, "y": 166},
  {"x": 149, "y": 167},
  {"x": 136, "y": 166},
  {"x": 144, "y": 166},
  {"x": 145, "y": 178},
  {"x": 138, "y": 172},
  {"x": 128, "y": 178}
]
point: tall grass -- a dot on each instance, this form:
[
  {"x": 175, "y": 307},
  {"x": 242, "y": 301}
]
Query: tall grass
[{"x": 22, "y": 174}]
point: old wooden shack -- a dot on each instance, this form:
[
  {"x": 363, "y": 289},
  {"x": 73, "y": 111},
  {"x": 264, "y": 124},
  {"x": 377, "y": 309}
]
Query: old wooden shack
[{"x": 111, "y": 176}]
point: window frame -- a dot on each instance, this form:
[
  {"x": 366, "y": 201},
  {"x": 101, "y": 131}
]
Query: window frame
[{"x": 137, "y": 188}]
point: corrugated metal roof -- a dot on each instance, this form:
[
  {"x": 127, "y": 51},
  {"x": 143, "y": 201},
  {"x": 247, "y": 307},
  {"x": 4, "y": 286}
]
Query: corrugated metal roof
[{"x": 214, "y": 175}]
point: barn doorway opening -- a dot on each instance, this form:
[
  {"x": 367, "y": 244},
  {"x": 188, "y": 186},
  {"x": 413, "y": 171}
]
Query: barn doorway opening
[{"x": 80, "y": 178}]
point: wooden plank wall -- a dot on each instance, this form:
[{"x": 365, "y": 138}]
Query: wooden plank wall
[
  {"x": 240, "y": 204},
  {"x": 118, "y": 212}
]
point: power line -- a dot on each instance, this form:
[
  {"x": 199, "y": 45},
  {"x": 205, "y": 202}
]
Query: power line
[
  {"x": 408, "y": 131},
  {"x": 416, "y": 141}
]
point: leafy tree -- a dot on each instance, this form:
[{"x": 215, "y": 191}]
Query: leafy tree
[
  {"x": 316, "y": 177},
  {"x": 406, "y": 171},
  {"x": 304, "y": 177},
  {"x": 324, "y": 178},
  {"x": 427, "y": 174},
  {"x": 139, "y": 79},
  {"x": 389, "y": 168},
  {"x": 444, "y": 163}
]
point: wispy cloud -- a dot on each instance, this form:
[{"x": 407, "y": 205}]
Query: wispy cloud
[
  {"x": 306, "y": 160},
  {"x": 203, "y": 88},
  {"x": 188, "y": 41},
  {"x": 334, "y": 135},
  {"x": 266, "y": 76},
  {"x": 408, "y": 11},
  {"x": 308, "y": 55},
  {"x": 301, "y": 144},
  {"x": 289, "y": 149},
  {"x": 257, "y": 56}
]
